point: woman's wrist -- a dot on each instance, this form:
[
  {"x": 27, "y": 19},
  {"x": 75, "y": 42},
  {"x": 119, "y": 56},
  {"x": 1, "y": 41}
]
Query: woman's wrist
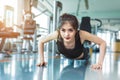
[
  {"x": 42, "y": 57},
  {"x": 100, "y": 63}
]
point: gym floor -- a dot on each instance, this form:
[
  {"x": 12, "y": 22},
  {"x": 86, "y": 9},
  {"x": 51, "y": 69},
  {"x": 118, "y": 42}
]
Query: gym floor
[{"x": 23, "y": 67}]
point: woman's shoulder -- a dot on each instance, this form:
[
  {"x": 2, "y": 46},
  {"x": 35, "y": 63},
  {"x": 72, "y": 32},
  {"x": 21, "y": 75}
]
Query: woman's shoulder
[
  {"x": 49, "y": 37},
  {"x": 53, "y": 34},
  {"x": 83, "y": 34}
]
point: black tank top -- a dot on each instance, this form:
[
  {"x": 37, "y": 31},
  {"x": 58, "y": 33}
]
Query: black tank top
[{"x": 71, "y": 53}]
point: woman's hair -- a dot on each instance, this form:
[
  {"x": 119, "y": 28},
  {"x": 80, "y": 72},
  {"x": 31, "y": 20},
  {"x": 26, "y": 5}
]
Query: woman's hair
[{"x": 68, "y": 18}]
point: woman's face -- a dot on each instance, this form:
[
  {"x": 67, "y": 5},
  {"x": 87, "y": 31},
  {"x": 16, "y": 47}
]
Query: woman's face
[{"x": 67, "y": 32}]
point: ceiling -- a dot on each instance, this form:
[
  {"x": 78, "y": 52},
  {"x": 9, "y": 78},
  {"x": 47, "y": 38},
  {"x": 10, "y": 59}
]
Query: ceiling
[
  {"x": 106, "y": 10},
  {"x": 96, "y": 8}
]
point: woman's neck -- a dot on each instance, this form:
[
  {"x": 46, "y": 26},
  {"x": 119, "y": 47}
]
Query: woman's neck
[{"x": 69, "y": 45}]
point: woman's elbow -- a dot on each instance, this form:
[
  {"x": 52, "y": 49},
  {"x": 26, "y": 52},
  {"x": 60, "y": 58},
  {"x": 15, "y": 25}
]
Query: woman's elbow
[
  {"x": 104, "y": 44},
  {"x": 40, "y": 42}
]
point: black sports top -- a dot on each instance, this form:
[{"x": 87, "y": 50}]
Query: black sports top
[{"x": 71, "y": 53}]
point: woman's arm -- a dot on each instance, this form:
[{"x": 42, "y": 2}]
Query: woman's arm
[
  {"x": 41, "y": 43},
  {"x": 102, "y": 45}
]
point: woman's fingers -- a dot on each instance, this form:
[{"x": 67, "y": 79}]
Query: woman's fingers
[
  {"x": 96, "y": 66},
  {"x": 42, "y": 64}
]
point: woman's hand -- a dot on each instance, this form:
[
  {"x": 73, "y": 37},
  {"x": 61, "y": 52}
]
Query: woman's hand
[
  {"x": 42, "y": 63},
  {"x": 96, "y": 66}
]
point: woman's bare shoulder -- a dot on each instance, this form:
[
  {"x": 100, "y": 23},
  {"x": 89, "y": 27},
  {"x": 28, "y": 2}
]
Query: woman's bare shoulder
[
  {"x": 83, "y": 34},
  {"x": 49, "y": 37}
]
